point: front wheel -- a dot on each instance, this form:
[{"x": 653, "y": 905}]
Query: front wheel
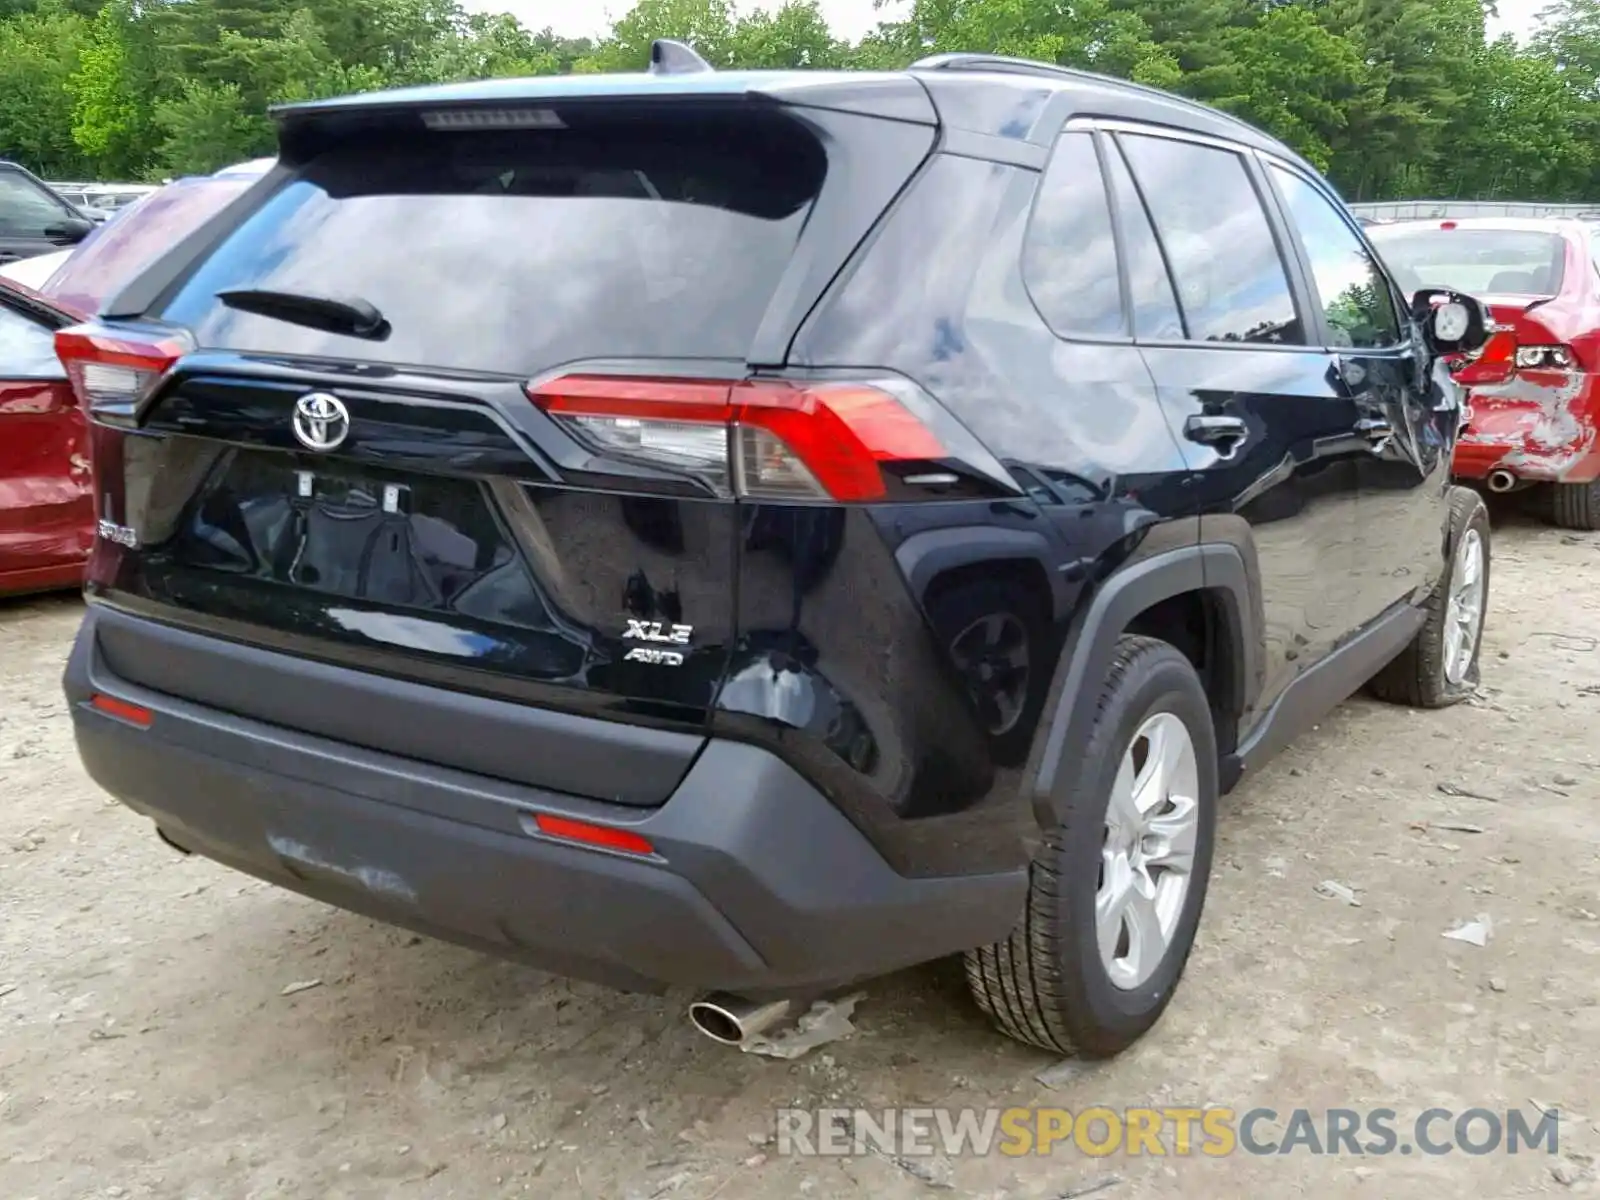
[
  {"x": 1440, "y": 667},
  {"x": 1116, "y": 892}
]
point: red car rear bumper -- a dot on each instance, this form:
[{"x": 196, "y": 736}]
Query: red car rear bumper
[
  {"x": 1542, "y": 426},
  {"x": 58, "y": 577}
]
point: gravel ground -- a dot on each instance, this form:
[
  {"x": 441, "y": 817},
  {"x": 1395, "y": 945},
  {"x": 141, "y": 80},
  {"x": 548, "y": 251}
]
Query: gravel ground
[{"x": 147, "y": 1047}]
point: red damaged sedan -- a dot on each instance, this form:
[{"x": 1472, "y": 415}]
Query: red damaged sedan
[
  {"x": 46, "y": 489},
  {"x": 1534, "y": 388},
  {"x": 46, "y": 500}
]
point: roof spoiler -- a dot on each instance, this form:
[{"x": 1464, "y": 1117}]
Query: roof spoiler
[{"x": 668, "y": 57}]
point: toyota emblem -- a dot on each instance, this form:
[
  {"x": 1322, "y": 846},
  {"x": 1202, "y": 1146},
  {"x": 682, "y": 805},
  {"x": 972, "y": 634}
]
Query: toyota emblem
[{"x": 321, "y": 421}]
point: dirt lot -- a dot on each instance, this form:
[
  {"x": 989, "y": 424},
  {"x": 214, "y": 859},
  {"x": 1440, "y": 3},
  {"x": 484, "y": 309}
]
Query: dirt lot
[{"x": 146, "y": 1048}]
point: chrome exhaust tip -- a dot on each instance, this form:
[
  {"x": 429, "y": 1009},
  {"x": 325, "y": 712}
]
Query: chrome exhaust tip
[
  {"x": 733, "y": 1020},
  {"x": 1501, "y": 480}
]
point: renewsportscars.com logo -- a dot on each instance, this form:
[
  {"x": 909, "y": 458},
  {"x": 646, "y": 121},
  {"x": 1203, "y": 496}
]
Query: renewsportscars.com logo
[{"x": 1211, "y": 1132}]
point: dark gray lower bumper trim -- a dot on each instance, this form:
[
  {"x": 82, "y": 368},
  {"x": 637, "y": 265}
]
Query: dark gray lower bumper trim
[{"x": 759, "y": 884}]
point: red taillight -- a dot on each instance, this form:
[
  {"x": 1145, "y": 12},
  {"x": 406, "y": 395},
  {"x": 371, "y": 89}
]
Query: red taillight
[
  {"x": 1494, "y": 363},
  {"x": 604, "y": 836},
  {"x": 112, "y": 372},
  {"x": 133, "y": 714},
  {"x": 766, "y": 439}
]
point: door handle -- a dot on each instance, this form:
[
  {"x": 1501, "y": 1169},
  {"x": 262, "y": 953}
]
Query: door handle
[
  {"x": 1225, "y": 433},
  {"x": 1377, "y": 431}
]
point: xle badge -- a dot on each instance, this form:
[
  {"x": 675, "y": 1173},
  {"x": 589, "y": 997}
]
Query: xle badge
[{"x": 657, "y": 631}]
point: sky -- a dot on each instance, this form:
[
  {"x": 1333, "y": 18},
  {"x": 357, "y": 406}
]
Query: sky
[{"x": 848, "y": 18}]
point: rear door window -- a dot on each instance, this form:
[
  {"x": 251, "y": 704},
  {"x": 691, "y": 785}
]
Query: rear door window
[
  {"x": 1354, "y": 293},
  {"x": 1155, "y": 306},
  {"x": 1232, "y": 283},
  {"x": 511, "y": 252},
  {"x": 1070, "y": 258}
]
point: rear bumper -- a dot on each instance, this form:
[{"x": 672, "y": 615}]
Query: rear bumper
[
  {"x": 1540, "y": 426},
  {"x": 758, "y": 883},
  {"x": 59, "y": 577}
]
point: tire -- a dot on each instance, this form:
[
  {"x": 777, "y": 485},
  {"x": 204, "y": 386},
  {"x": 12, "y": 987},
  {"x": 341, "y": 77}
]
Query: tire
[
  {"x": 1420, "y": 676},
  {"x": 964, "y": 611},
  {"x": 1576, "y": 505},
  {"x": 1047, "y": 984}
]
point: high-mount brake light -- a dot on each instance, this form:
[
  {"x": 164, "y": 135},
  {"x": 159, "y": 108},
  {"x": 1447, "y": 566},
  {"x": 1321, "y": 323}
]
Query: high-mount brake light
[
  {"x": 112, "y": 372},
  {"x": 762, "y": 439},
  {"x": 472, "y": 119}
]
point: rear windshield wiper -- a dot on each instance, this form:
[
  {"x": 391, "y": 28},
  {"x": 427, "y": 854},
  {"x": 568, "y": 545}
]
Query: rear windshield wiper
[{"x": 351, "y": 315}]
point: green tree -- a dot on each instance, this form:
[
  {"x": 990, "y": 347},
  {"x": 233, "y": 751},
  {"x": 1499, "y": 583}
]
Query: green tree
[
  {"x": 39, "y": 52},
  {"x": 205, "y": 126},
  {"x": 112, "y": 92},
  {"x": 796, "y": 35},
  {"x": 1090, "y": 34},
  {"x": 1569, "y": 38},
  {"x": 1297, "y": 80},
  {"x": 490, "y": 47},
  {"x": 1391, "y": 97},
  {"x": 707, "y": 25}
]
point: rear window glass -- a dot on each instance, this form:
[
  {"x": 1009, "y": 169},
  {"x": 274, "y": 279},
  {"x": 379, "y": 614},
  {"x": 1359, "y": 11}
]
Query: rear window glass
[
  {"x": 1517, "y": 262},
  {"x": 516, "y": 251},
  {"x": 113, "y": 254}
]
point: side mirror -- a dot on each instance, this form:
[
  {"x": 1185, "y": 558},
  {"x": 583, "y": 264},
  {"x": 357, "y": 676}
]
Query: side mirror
[
  {"x": 69, "y": 231},
  {"x": 1453, "y": 322}
]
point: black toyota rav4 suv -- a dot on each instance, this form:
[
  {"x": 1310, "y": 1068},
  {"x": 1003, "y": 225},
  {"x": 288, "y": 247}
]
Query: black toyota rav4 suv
[{"x": 755, "y": 532}]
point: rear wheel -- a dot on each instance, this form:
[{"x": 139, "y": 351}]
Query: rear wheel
[
  {"x": 1440, "y": 667},
  {"x": 1117, "y": 889},
  {"x": 1576, "y": 505},
  {"x": 995, "y": 633}
]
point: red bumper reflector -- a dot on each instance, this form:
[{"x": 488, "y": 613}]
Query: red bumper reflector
[
  {"x": 122, "y": 710},
  {"x": 603, "y": 836}
]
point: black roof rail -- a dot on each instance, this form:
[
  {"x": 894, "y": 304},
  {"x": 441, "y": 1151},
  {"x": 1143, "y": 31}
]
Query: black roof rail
[
  {"x": 668, "y": 57},
  {"x": 959, "y": 61}
]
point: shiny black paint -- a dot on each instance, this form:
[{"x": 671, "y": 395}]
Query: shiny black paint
[
  {"x": 1081, "y": 428},
  {"x": 816, "y": 627},
  {"x": 1290, "y": 487},
  {"x": 1094, "y": 433}
]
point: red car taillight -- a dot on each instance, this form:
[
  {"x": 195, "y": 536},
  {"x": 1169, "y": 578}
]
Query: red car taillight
[
  {"x": 112, "y": 372},
  {"x": 762, "y": 439},
  {"x": 1493, "y": 363}
]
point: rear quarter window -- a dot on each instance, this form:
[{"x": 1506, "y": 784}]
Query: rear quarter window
[{"x": 511, "y": 252}]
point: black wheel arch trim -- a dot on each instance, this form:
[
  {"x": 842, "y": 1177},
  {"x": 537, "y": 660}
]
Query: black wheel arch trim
[
  {"x": 925, "y": 556},
  {"x": 1217, "y": 569}
]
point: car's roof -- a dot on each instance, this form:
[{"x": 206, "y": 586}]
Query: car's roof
[
  {"x": 571, "y": 87},
  {"x": 1101, "y": 95},
  {"x": 1568, "y": 225},
  {"x": 36, "y": 269}
]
